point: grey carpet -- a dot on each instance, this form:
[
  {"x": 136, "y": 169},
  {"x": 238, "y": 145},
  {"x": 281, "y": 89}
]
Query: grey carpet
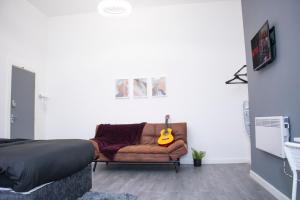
[{"x": 107, "y": 196}]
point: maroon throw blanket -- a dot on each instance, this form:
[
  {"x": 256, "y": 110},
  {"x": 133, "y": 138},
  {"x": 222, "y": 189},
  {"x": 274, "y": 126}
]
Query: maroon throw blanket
[{"x": 111, "y": 138}]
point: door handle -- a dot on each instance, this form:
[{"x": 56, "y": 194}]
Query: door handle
[{"x": 13, "y": 103}]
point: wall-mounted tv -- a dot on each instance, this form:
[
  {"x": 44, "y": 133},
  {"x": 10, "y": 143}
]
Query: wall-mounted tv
[{"x": 263, "y": 47}]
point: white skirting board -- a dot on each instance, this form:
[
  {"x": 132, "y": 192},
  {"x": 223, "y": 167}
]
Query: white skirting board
[
  {"x": 270, "y": 188},
  {"x": 217, "y": 161}
]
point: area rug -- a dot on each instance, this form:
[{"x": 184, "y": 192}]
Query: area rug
[{"x": 107, "y": 196}]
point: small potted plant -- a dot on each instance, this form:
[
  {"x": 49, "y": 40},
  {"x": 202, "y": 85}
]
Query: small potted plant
[{"x": 197, "y": 156}]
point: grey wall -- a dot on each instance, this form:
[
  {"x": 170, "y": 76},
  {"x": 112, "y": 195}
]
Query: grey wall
[{"x": 275, "y": 90}]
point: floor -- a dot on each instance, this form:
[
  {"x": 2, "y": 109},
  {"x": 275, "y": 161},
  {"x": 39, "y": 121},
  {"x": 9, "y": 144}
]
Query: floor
[{"x": 209, "y": 182}]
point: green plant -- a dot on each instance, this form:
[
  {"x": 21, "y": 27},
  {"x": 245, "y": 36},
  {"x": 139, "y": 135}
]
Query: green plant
[{"x": 198, "y": 155}]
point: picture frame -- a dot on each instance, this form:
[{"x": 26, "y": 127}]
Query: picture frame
[
  {"x": 140, "y": 88},
  {"x": 159, "y": 87},
  {"x": 122, "y": 88}
]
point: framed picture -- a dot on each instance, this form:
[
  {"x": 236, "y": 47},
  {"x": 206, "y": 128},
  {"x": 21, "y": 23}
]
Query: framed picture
[
  {"x": 159, "y": 88},
  {"x": 140, "y": 87},
  {"x": 122, "y": 91}
]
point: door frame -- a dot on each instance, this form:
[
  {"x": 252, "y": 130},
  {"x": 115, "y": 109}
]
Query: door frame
[{"x": 7, "y": 94}]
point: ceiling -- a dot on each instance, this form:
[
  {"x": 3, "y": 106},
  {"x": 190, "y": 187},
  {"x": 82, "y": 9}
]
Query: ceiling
[{"x": 54, "y": 8}]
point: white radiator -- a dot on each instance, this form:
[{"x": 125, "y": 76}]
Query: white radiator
[{"x": 271, "y": 133}]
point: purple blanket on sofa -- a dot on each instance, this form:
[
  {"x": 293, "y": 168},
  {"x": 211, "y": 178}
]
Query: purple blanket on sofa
[{"x": 111, "y": 138}]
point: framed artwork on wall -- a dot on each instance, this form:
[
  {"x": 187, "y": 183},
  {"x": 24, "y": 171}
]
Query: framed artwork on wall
[
  {"x": 140, "y": 87},
  {"x": 159, "y": 88},
  {"x": 122, "y": 91}
]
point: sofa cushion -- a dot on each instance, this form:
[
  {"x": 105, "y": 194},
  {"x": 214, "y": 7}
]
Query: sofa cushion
[
  {"x": 148, "y": 134},
  {"x": 144, "y": 148},
  {"x": 148, "y": 140},
  {"x": 176, "y": 150},
  {"x": 137, "y": 157}
]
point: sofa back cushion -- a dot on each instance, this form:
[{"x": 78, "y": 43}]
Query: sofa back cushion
[
  {"x": 148, "y": 135},
  {"x": 151, "y": 132}
]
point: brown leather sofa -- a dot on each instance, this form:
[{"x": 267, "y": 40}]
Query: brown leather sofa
[{"x": 148, "y": 151}]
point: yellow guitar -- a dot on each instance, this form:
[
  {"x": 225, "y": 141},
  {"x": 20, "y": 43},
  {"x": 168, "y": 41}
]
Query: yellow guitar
[{"x": 166, "y": 138}]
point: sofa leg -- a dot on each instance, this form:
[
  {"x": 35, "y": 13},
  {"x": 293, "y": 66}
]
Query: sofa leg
[
  {"x": 176, "y": 165},
  {"x": 106, "y": 163},
  {"x": 95, "y": 165},
  {"x": 178, "y": 161}
]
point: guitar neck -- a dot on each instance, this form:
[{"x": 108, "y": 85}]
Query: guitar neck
[{"x": 167, "y": 124}]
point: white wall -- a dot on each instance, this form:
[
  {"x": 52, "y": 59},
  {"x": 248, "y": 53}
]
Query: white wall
[
  {"x": 197, "y": 46},
  {"x": 22, "y": 38}
]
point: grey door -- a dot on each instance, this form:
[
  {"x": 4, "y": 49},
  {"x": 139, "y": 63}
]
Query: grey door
[{"x": 22, "y": 103}]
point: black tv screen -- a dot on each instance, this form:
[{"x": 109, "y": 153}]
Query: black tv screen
[{"x": 261, "y": 47}]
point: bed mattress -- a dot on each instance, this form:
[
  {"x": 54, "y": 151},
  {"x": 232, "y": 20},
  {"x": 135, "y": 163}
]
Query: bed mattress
[
  {"x": 26, "y": 164},
  {"x": 69, "y": 188}
]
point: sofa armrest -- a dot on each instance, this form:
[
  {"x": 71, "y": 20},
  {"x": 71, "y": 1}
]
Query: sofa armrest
[
  {"x": 96, "y": 148},
  {"x": 176, "y": 145},
  {"x": 177, "y": 149}
]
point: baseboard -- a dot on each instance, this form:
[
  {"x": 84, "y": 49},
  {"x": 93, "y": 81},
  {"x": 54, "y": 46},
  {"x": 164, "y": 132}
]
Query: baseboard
[
  {"x": 227, "y": 161},
  {"x": 270, "y": 188},
  {"x": 218, "y": 161}
]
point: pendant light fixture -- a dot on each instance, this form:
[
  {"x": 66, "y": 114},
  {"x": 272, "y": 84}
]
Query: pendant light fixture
[{"x": 114, "y": 8}]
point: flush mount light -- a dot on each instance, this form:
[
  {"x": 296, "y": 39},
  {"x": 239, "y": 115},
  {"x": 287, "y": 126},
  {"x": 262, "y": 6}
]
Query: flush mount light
[{"x": 114, "y": 8}]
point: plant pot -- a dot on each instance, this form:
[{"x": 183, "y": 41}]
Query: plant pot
[{"x": 197, "y": 163}]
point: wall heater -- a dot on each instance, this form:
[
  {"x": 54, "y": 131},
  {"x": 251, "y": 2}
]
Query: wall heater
[{"x": 271, "y": 133}]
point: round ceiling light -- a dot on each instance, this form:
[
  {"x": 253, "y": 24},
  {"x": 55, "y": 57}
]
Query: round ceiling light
[{"x": 116, "y": 8}]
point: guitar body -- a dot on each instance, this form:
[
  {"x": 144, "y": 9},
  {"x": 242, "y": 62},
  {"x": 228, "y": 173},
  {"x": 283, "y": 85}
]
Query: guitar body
[{"x": 166, "y": 138}]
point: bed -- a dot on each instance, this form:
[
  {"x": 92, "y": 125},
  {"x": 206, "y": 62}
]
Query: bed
[{"x": 30, "y": 169}]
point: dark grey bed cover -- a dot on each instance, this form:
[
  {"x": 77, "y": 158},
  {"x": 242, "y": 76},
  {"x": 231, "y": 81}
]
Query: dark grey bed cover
[{"x": 26, "y": 164}]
